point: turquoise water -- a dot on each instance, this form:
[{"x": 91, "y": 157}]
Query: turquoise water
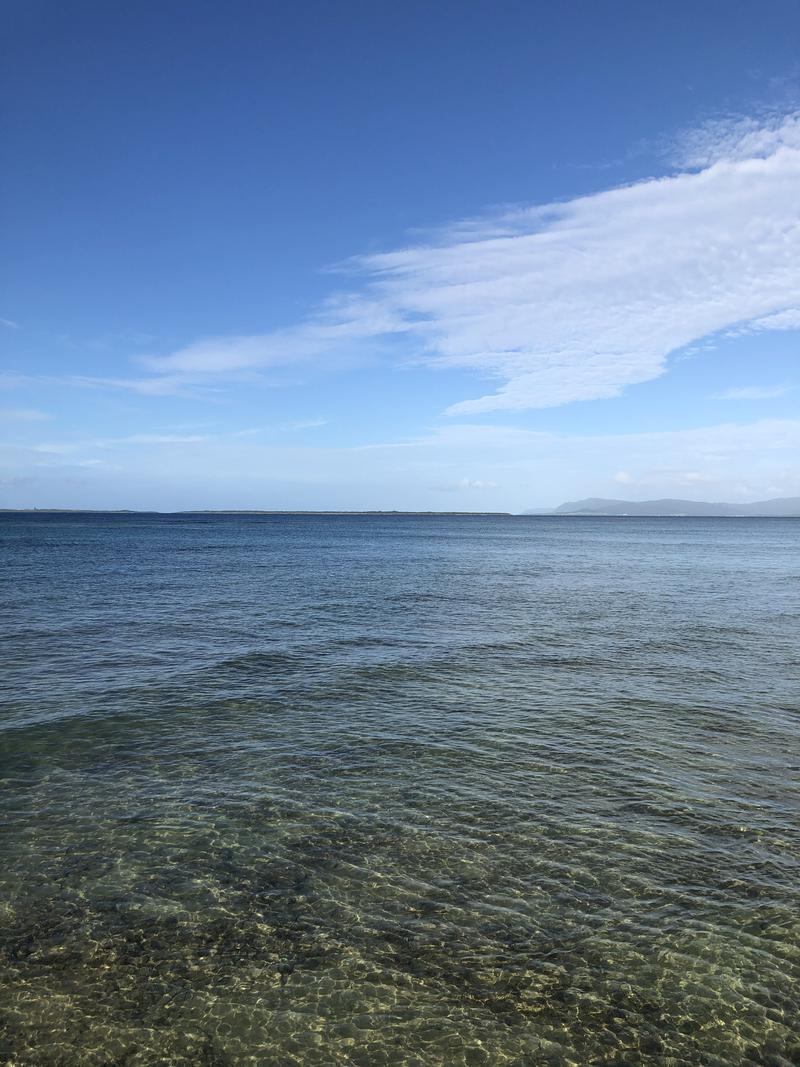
[{"x": 407, "y": 791}]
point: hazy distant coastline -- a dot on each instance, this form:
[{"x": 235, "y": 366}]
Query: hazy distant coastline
[
  {"x": 239, "y": 511},
  {"x": 779, "y": 507}
]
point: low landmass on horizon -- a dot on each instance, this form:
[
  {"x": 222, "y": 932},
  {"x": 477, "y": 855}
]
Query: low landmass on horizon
[{"x": 779, "y": 507}]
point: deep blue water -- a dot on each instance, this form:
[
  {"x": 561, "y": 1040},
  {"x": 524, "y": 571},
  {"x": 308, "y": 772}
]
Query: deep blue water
[{"x": 399, "y": 790}]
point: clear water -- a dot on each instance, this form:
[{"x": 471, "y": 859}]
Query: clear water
[{"x": 403, "y": 791}]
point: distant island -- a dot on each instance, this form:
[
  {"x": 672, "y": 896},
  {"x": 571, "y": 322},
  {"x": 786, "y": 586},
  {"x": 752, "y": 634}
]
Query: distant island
[{"x": 781, "y": 507}]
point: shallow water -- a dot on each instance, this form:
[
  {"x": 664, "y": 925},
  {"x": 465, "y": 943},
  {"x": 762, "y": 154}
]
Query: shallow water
[{"x": 407, "y": 791}]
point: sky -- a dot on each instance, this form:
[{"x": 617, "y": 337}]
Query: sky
[{"x": 457, "y": 256}]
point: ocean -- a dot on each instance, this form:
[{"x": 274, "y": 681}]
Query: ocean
[{"x": 399, "y": 790}]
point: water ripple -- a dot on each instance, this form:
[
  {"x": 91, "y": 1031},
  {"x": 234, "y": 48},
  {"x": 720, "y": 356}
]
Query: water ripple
[{"x": 370, "y": 791}]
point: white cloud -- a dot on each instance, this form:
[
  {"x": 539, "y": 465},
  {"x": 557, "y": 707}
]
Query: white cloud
[
  {"x": 781, "y": 320},
  {"x": 661, "y": 476},
  {"x": 575, "y": 300},
  {"x": 467, "y": 483},
  {"x": 343, "y": 323},
  {"x": 753, "y": 392},
  {"x": 156, "y": 439},
  {"x": 735, "y": 138},
  {"x": 476, "y": 483},
  {"x": 10, "y": 324}
]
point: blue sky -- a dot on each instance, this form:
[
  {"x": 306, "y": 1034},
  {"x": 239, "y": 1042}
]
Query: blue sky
[{"x": 456, "y": 256}]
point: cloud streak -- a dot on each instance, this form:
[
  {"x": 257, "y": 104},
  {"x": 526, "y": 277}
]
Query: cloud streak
[
  {"x": 66, "y": 448},
  {"x": 754, "y": 392},
  {"x": 163, "y": 385}
]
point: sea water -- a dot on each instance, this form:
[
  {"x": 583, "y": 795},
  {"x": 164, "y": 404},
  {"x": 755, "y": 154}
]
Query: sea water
[{"x": 312, "y": 790}]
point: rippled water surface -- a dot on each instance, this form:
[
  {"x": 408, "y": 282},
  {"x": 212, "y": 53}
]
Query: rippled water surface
[{"x": 402, "y": 791}]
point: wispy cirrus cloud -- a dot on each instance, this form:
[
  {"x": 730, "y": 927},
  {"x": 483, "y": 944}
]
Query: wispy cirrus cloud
[
  {"x": 305, "y": 424},
  {"x": 734, "y": 137},
  {"x": 569, "y": 301},
  {"x": 149, "y": 440},
  {"x": 66, "y": 448},
  {"x": 780, "y": 320},
  {"x": 754, "y": 392},
  {"x": 343, "y": 322},
  {"x": 164, "y": 385},
  {"x": 161, "y": 385}
]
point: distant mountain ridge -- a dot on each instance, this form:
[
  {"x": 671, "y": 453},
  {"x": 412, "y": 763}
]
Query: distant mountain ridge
[{"x": 785, "y": 507}]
